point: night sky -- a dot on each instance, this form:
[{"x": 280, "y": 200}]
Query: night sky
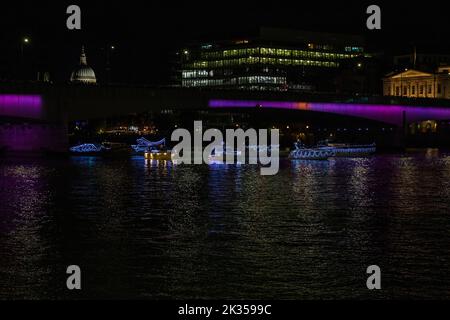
[{"x": 144, "y": 32}]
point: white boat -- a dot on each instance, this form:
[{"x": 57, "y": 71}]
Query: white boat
[
  {"x": 350, "y": 150},
  {"x": 302, "y": 153}
]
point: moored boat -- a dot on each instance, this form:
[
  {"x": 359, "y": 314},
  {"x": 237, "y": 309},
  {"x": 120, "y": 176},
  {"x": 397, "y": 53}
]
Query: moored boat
[
  {"x": 145, "y": 146},
  {"x": 350, "y": 150},
  {"x": 89, "y": 149},
  {"x": 158, "y": 155},
  {"x": 302, "y": 153},
  {"x": 152, "y": 150}
]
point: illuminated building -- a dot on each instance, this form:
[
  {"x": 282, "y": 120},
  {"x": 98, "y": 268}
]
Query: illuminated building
[
  {"x": 418, "y": 84},
  {"x": 83, "y": 73},
  {"x": 276, "y": 59}
]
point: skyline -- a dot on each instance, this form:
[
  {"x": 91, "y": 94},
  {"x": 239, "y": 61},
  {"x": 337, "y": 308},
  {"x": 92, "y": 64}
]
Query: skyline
[{"x": 142, "y": 45}]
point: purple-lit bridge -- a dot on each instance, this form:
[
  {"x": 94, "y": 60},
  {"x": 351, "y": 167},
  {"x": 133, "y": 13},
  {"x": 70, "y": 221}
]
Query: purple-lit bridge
[
  {"x": 390, "y": 114},
  {"x": 36, "y": 116}
]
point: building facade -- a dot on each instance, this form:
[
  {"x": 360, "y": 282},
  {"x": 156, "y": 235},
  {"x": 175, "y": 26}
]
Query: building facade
[
  {"x": 418, "y": 84},
  {"x": 276, "y": 59}
]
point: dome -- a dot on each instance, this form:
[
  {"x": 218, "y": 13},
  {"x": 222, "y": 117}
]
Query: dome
[{"x": 83, "y": 73}]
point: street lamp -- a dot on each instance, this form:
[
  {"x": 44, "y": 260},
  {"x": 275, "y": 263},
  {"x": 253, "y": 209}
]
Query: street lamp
[
  {"x": 25, "y": 41},
  {"x": 109, "y": 52}
]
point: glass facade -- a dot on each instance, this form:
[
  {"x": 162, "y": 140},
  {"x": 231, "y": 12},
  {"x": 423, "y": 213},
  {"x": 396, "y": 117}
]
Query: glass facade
[{"x": 255, "y": 65}]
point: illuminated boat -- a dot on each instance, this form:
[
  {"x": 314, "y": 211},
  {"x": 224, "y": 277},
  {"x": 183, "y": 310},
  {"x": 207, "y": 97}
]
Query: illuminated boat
[
  {"x": 220, "y": 155},
  {"x": 145, "y": 146},
  {"x": 350, "y": 150},
  {"x": 302, "y": 153},
  {"x": 89, "y": 149},
  {"x": 158, "y": 155}
]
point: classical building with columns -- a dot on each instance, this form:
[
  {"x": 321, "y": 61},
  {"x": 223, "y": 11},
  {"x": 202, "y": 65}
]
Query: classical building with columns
[{"x": 418, "y": 84}]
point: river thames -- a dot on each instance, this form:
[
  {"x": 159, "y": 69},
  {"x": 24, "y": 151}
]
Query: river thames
[{"x": 141, "y": 229}]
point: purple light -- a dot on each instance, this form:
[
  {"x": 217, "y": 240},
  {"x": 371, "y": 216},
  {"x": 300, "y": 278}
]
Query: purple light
[
  {"x": 23, "y": 106},
  {"x": 392, "y": 114}
]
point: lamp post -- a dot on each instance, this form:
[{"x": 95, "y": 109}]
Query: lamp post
[
  {"x": 23, "y": 42},
  {"x": 109, "y": 49}
]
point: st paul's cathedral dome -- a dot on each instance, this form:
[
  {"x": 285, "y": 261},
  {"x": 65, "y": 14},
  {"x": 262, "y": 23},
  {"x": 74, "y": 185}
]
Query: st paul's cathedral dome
[{"x": 83, "y": 73}]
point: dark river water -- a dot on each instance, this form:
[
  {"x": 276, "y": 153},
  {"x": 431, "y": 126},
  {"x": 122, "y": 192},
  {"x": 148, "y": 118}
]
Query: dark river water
[{"x": 156, "y": 231}]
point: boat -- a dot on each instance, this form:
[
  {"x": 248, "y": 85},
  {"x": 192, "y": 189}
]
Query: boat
[
  {"x": 152, "y": 150},
  {"x": 145, "y": 146},
  {"x": 303, "y": 153},
  {"x": 349, "y": 150},
  {"x": 89, "y": 149},
  {"x": 158, "y": 155}
]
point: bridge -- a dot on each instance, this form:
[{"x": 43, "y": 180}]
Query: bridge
[
  {"x": 35, "y": 116},
  {"x": 391, "y": 114}
]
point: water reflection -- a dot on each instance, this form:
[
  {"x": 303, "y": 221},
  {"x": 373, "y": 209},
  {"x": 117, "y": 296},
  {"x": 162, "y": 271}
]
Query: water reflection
[{"x": 152, "y": 229}]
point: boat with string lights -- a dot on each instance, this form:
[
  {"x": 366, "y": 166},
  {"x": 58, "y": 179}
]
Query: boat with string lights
[
  {"x": 152, "y": 150},
  {"x": 143, "y": 145},
  {"x": 89, "y": 149},
  {"x": 303, "y": 153},
  {"x": 349, "y": 150},
  {"x": 101, "y": 149}
]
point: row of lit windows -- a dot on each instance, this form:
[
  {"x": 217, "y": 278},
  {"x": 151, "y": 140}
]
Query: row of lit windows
[
  {"x": 234, "y": 81},
  {"x": 196, "y": 74},
  {"x": 276, "y": 52},
  {"x": 255, "y": 60},
  {"x": 354, "y": 49},
  {"x": 296, "y": 62},
  {"x": 262, "y": 79},
  {"x": 201, "y": 73}
]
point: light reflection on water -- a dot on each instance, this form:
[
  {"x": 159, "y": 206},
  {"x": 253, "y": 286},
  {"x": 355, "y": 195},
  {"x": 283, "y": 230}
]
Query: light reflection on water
[{"x": 151, "y": 229}]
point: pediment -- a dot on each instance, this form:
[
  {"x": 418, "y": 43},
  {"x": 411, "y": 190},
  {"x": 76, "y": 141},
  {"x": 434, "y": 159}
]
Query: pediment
[{"x": 411, "y": 74}]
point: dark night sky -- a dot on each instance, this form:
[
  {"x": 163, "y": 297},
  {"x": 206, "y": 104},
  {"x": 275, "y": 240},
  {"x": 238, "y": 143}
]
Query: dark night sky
[{"x": 145, "y": 31}]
